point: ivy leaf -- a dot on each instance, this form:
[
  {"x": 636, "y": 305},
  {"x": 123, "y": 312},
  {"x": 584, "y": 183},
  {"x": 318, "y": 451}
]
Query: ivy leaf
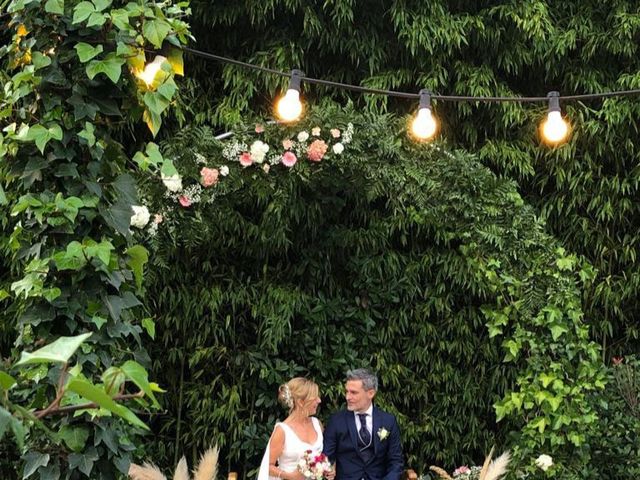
[
  {"x": 98, "y": 321},
  {"x": 150, "y": 326},
  {"x": 138, "y": 257},
  {"x": 97, "y": 19},
  {"x": 153, "y": 121},
  {"x": 113, "y": 378},
  {"x": 33, "y": 461},
  {"x": 138, "y": 375},
  {"x": 557, "y": 330},
  {"x": 111, "y": 66},
  {"x": 120, "y": 18},
  {"x": 84, "y": 461},
  {"x": 82, "y": 11},
  {"x": 75, "y": 437},
  {"x": 101, "y": 250},
  {"x": 54, "y": 6},
  {"x": 155, "y": 102},
  {"x": 156, "y": 31},
  {"x": 40, "y": 60},
  {"x": 86, "y": 52},
  {"x": 6, "y": 381},
  {"x": 3, "y": 197},
  {"x": 100, "y": 397},
  {"x": 176, "y": 61},
  {"x": 41, "y": 135},
  {"x": 59, "y": 351},
  {"x": 73, "y": 258},
  {"x": 87, "y": 133},
  {"x": 167, "y": 89},
  {"x": 101, "y": 4}
]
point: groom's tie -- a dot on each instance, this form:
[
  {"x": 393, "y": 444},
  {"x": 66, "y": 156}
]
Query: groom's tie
[{"x": 365, "y": 436}]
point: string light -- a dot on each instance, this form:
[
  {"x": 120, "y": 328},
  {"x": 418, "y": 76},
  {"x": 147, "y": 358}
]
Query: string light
[
  {"x": 289, "y": 107},
  {"x": 554, "y": 129},
  {"x": 424, "y": 126},
  {"x": 150, "y": 72}
]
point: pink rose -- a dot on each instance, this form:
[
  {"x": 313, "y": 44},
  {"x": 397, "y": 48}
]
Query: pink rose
[
  {"x": 287, "y": 144},
  {"x": 461, "y": 470},
  {"x": 209, "y": 176},
  {"x": 245, "y": 159},
  {"x": 289, "y": 159},
  {"x": 335, "y": 133},
  {"x": 184, "y": 201},
  {"x": 259, "y": 128},
  {"x": 158, "y": 218},
  {"x": 316, "y": 150}
]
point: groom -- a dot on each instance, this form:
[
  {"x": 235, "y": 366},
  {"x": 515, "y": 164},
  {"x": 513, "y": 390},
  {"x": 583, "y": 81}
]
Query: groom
[{"x": 363, "y": 441}]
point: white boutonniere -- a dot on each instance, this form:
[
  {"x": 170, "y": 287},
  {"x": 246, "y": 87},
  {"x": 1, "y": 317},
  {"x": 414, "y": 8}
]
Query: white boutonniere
[{"x": 383, "y": 433}]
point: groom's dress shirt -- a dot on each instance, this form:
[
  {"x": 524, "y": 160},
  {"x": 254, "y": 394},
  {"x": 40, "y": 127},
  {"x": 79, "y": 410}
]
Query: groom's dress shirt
[{"x": 369, "y": 413}]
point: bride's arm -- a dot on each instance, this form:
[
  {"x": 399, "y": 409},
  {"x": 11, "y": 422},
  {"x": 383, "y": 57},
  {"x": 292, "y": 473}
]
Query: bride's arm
[{"x": 276, "y": 445}]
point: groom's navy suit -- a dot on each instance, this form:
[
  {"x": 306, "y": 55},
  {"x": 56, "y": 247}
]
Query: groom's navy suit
[{"x": 341, "y": 446}]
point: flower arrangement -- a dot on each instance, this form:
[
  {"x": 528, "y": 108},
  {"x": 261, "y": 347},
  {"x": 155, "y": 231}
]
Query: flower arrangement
[
  {"x": 200, "y": 178},
  {"x": 314, "y": 466},
  {"x": 490, "y": 470}
]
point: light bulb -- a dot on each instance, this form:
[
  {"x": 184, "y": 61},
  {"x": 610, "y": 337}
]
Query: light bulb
[
  {"x": 555, "y": 129},
  {"x": 289, "y": 107},
  {"x": 148, "y": 75},
  {"x": 424, "y": 126}
]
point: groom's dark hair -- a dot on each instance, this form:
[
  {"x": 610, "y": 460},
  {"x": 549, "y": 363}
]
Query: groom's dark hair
[{"x": 368, "y": 378}]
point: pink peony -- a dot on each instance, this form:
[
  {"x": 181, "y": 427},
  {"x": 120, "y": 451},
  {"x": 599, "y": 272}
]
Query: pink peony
[
  {"x": 287, "y": 144},
  {"x": 184, "y": 201},
  {"x": 259, "y": 128},
  {"x": 335, "y": 133},
  {"x": 245, "y": 159},
  {"x": 316, "y": 150},
  {"x": 209, "y": 176},
  {"x": 289, "y": 159}
]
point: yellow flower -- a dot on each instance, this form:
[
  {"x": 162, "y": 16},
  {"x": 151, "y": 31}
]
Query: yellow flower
[{"x": 22, "y": 30}]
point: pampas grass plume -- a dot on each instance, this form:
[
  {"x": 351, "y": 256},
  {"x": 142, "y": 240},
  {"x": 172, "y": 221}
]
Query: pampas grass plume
[
  {"x": 498, "y": 467},
  {"x": 182, "y": 471},
  {"x": 208, "y": 466},
  {"x": 145, "y": 472}
]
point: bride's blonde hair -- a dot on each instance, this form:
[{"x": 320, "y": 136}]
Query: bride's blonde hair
[{"x": 298, "y": 388}]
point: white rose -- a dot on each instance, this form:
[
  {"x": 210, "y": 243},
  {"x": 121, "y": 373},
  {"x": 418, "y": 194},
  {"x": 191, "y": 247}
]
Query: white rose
[
  {"x": 544, "y": 462},
  {"x": 173, "y": 182},
  {"x": 338, "y": 148},
  {"x": 258, "y": 151},
  {"x": 303, "y": 136},
  {"x": 140, "y": 216},
  {"x": 224, "y": 170}
]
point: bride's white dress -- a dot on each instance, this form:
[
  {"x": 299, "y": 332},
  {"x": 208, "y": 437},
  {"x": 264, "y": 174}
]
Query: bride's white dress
[{"x": 292, "y": 450}]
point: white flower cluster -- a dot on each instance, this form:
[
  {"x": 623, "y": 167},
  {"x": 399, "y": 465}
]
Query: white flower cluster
[
  {"x": 140, "y": 216},
  {"x": 200, "y": 159},
  {"x": 232, "y": 150},
  {"x": 193, "y": 192},
  {"x": 347, "y": 136},
  {"x": 544, "y": 462},
  {"x": 172, "y": 182},
  {"x": 258, "y": 151}
]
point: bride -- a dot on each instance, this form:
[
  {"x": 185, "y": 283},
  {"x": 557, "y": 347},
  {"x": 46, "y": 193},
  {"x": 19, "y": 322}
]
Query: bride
[{"x": 299, "y": 432}]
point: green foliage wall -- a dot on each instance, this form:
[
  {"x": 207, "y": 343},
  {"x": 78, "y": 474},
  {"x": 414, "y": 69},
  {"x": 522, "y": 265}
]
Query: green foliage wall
[
  {"x": 586, "y": 190},
  {"x": 392, "y": 255}
]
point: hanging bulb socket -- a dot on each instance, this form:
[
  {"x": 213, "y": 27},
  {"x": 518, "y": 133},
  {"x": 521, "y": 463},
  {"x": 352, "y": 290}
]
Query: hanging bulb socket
[
  {"x": 424, "y": 126},
  {"x": 554, "y": 129},
  {"x": 289, "y": 106}
]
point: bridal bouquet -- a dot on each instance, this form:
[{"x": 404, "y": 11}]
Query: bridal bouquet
[{"x": 314, "y": 466}]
